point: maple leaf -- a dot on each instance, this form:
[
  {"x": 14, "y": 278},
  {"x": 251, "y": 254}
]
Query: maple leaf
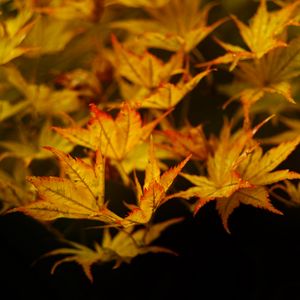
[
  {"x": 153, "y": 193},
  {"x": 257, "y": 197},
  {"x": 168, "y": 95},
  {"x": 128, "y": 243},
  {"x": 117, "y": 137},
  {"x": 257, "y": 169},
  {"x": 82, "y": 255},
  {"x": 255, "y": 172},
  {"x": 282, "y": 64},
  {"x": 13, "y": 31},
  {"x": 222, "y": 178},
  {"x": 123, "y": 247},
  {"x": 179, "y": 24},
  {"x": 270, "y": 74},
  {"x": 149, "y": 76},
  {"x": 42, "y": 98},
  {"x": 145, "y": 70},
  {"x": 262, "y": 34},
  {"x": 234, "y": 55},
  {"x": 81, "y": 196},
  {"x": 188, "y": 140}
]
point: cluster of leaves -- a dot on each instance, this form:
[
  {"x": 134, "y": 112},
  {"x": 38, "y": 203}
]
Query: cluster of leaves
[{"x": 88, "y": 89}]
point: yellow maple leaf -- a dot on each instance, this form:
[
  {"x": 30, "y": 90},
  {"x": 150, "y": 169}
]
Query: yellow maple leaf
[
  {"x": 122, "y": 247},
  {"x": 41, "y": 97},
  {"x": 262, "y": 34},
  {"x": 257, "y": 197},
  {"x": 153, "y": 193},
  {"x": 145, "y": 70},
  {"x": 165, "y": 96},
  {"x": 129, "y": 243},
  {"x": 179, "y": 24},
  {"x": 82, "y": 255},
  {"x": 115, "y": 137},
  {"x": 168, "y": 95},
  {"x": 234, "y": 55},
  {"x": 257, "y": 169},
  {"x": 80, "y": 196},
  {"x": 222, "y": 178},
  {"x": 271, "y": 74},
  {"x": 255, "y": 172},
  {"x": 143, "y": 79}
]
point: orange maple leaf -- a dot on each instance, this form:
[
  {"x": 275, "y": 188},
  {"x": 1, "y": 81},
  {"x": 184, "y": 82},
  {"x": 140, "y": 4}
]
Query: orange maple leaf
[
  {"x": 238, "y": 172},
  {"x": 114, "y": 137},
  {"x": 153, "y": 193},
  {"x": 262, "y": 34},
  {"x": 80, "y": 196},
  {"x": 257, "y": 169}
]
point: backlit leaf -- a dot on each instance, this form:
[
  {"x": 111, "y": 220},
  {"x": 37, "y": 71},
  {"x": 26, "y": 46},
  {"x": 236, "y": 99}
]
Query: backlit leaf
[
  {"x": 180, "y": 24},
  {"x": 43, "y": 98},
  {"x": 81, "y": 196},
  {"x": 262, "y": 33},
  {"x": 145, "y": 70},
  {"x": 168, "y": 95},
  {"x": 253, "y": 171},
  {"x": 222, "y": 179},
  {"x": 257, "y": 197},
  {"x": 154, "y": 190},
  {"x": 258, "y": 168},
  {"x": 122, "y": 247},
  {"x": 115, "y": 137}
]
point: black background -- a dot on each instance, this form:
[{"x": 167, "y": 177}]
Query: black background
[{"x": 258, "y": 260}]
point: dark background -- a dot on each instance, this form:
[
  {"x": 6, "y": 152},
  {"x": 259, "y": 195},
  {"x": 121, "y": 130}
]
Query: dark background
[{"x": 259, "y": 260}]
